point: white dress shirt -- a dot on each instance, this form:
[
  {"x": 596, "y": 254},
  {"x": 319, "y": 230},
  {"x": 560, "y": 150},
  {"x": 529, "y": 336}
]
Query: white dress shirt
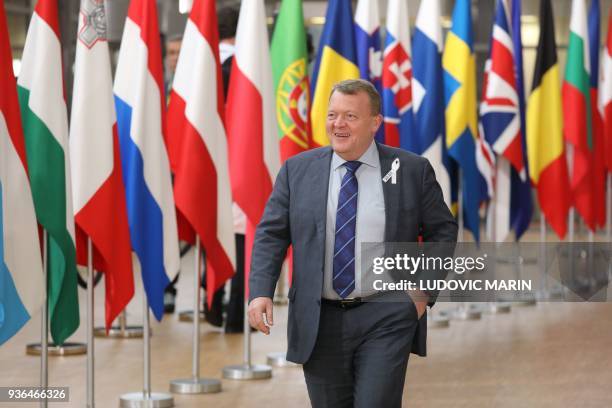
[{"x": 370, "y": 224}]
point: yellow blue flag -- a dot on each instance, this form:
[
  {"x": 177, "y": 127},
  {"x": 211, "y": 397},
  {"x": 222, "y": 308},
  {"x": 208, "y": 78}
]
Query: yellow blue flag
[
  {"x": 462, "y": 140},
  {"x": 336, "y": 61}
]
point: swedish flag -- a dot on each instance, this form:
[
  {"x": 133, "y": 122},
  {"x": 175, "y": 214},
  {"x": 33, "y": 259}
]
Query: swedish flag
[
  {"x": 462, "y": 138},
  {"x": 336, "y": 61}
]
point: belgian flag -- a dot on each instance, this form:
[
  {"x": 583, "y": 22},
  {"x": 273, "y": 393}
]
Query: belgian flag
[{"x": 545, "y": 144}]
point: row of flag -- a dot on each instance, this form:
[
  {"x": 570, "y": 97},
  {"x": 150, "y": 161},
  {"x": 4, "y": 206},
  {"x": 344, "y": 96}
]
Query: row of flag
[
  {"x": 108, "y": 176},
  {"x": 111, "y": 180},
  {"x": 497, "y": 149}
]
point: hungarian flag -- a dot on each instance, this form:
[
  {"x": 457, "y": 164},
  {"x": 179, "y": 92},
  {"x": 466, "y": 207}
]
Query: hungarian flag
[
  {"x": 251, "y": 121},
  {"x": 21, "y": 276},
  {"x": 599, "y": 154},
  {"x": 197, "y": 145},
  {"x": 45, "y": 124},
  {"x": 605, "y": 93},
  {"x": 397, "y": 80},
  {"x": 290, "y": 69},
  {"x": 141, "y": 114},
  {"x": 367, "y": 46},
  {"x": 545, "y": 145},
  {"x": 100, "y": 212},
  {"x": 577, "y": 115},
  {"x": 336, "y": 61}
]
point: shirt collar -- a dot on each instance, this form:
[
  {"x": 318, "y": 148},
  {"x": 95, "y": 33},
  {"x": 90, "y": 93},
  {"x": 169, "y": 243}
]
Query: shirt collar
[
  {"x": 226, "y": 50},
  {"x": 369, "y": 157}
]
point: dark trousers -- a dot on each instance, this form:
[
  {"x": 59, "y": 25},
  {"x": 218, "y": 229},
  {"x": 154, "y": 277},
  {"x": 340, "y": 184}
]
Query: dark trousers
[{"x": 361, "y": 355}]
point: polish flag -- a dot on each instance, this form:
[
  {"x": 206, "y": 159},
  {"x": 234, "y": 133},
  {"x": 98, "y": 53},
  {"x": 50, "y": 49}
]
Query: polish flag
[
  {"x": 197, "y": 145},
  {"x": 251, "y": 121},
  {"x": 605, "y": 93}
]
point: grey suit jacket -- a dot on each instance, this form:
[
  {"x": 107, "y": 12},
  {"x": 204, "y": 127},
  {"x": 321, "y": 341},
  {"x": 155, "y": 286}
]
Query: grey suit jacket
[{"x": 296, "y": 214}]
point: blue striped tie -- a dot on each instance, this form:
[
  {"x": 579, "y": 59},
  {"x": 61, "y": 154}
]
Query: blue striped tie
[{"x": 344, "y": 244}]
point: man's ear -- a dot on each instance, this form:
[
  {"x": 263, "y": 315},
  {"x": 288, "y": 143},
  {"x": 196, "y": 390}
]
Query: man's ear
[{"x": 378, "y": 119}]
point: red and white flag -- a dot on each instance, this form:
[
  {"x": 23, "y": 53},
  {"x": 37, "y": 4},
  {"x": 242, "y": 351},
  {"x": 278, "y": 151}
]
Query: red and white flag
[
  {"x": 197, "y": 145},
  {"x": 251, "y": 121},
  {"x": 605, "y": 93},
  {"x": 98, "y": 191}
]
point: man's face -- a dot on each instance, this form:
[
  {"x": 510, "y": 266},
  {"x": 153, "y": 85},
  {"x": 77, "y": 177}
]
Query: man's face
[
  {"x": 172, "y": 53},
  {"x": 350, "y": 124}
]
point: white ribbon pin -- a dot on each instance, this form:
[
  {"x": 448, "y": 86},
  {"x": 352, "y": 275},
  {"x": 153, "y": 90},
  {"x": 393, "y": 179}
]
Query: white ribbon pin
[{"x": 392, "y": 174}]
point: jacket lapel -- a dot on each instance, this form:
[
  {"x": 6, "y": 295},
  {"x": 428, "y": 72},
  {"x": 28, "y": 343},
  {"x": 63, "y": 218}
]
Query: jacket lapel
[
  {"x": 391, "y": 193},
  {"x": 319, "y": 171}
]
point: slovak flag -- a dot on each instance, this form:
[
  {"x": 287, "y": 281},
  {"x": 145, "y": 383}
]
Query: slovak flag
[
  {"x": 197, "y": 145},
  {"x": 397, "y": 79},
  {"x": 140, "y": 105},
  {"x": 367, "y": 44},
  {"x": 500, "y": 122}
]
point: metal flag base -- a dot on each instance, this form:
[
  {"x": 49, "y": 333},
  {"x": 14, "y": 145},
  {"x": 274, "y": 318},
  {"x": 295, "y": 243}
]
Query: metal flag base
[
  {"x": 195, "y": 386},
  {"x": 187, "y": 316},
  {"x": 67, "y": 349},
  {"x": 116, "y": 332},
  {"x": 247, "y": 372},
  {"x": 278, "y": 359},
  {"x": 466, "y": 312},
  {"x": 438, "y": 320},
  {"x": 142, "y": 400},
  {"x": 497, "y": 307}
]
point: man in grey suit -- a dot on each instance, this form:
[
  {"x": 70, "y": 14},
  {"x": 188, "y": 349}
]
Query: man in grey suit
[{"x": 325, "y": 203}]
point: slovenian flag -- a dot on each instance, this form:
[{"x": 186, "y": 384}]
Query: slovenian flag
[
  {"x": 397, "y": 80},
  {"x": 197, "y": 144},
  {"x": 367, "y": 43},
  {"x": 98, "y": 192},
  {"x": 21, "y": 276},
  {"x": 140, "y": 105},
  {"x": 428, "y": 94}
]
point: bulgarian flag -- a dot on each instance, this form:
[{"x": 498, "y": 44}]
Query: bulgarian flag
[
  {"x": 99, "y": 194},
  {"x": 290, "y": 69},
  {"x": 45, "y": 124},
  {"x": 545, "y": 146},
  {"x": 251, "y": 121},
  {"x": 197, "y": 146},
  {"x": 577, "y": 114},
  {"x": 21, "y": 278}
]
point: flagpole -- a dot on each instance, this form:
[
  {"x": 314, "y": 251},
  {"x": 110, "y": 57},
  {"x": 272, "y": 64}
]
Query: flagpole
[
  {"x": 279, "y": 358},
  {"x": 247, "y": 371},
  {"x": 44, "y": 335},
  {"x": 196, "y": 385},
  {"x": 463, "y": 311},
  {"x": 146, "y": 398},
  {"x": 90, "y": 337},
  {"x": 609, "y": 209}
]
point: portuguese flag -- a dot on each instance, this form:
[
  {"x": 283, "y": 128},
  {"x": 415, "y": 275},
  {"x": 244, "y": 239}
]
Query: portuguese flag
[
  {"x": 291, "y": 85},
  {"x": 545, "y": 145},
  {"x": 45, "y": 124},
  {"x": 577, "y": 112}
]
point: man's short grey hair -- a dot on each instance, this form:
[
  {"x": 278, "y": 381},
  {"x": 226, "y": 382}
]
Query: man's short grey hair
[{"x": 355, "y": 86}]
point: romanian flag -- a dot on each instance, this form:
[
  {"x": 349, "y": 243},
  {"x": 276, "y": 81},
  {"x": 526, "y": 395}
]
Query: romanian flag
[
  {"x": 545, "y": 145},
  {"x": 462, "y": 140},
  {"x": 336, "y": 61},
  {"x": 291, "y": 84}
]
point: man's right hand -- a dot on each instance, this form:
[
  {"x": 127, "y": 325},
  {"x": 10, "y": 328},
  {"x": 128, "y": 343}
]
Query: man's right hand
[{"x": 259, "y": 307}]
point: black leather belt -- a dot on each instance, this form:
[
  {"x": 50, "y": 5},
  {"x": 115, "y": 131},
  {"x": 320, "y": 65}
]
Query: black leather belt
[{"x": 350, "y": 303}]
